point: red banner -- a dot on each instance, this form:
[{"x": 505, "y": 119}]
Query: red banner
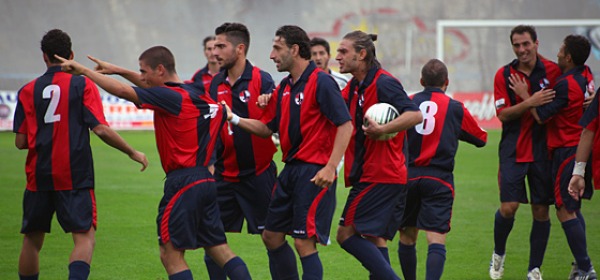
[{"x": 481, "y": 106}]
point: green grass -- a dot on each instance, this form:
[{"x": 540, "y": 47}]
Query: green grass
[{"x": 126, "y": 246}]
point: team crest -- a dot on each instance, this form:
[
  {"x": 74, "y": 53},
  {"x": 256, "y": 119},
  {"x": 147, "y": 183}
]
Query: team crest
[
  {"x": 299, "y": 98},
  {"x": 361, "y": 100},
  {"x": 245, "y": 96},
  {"x": 544, "y": 83}
]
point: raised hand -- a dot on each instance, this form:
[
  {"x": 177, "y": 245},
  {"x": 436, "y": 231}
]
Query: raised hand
[
  {"x": 70, "y": 66},
  {"x": 104, "y": 67},
  {"x": 519, "y": 85}
]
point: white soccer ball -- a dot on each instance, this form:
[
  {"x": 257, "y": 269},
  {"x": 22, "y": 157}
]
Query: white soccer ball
[{"x": 382, "y": 113}]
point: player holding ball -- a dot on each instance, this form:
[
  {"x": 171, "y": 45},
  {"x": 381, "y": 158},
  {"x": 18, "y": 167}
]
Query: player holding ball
[{"x": 374, "y": 168}]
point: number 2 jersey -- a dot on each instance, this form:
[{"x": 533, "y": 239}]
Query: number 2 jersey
[
  {"x": 56, "y": 112},
  {"x": 434, "y": 142}
]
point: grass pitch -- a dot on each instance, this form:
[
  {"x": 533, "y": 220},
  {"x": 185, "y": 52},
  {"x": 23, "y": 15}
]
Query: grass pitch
[{"x": 126, "y": 242}]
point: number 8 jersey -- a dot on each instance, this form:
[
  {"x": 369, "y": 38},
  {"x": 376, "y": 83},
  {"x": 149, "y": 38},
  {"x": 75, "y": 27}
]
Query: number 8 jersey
[
  {"x": 433, "y": 143},
  {"x": 56, "y": 112}
]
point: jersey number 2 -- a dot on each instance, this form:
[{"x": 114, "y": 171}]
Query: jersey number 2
[
  {"x": 428, "y": 109},
  {"x": 51, "y": 92}
]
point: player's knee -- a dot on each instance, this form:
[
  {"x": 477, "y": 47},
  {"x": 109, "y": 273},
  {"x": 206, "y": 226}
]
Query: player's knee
[
  {"x": 34, "y": 240},
  {"x": 220, "y": 254},
  {"x": 407, "y": 239},
  {"x": 343, "y": 233},
  {"x": 540, "y": 212},
  {"x": 508, "y": 210},
  {"x": 272, "y": 240},
  {"x": 305, "y": 247}
]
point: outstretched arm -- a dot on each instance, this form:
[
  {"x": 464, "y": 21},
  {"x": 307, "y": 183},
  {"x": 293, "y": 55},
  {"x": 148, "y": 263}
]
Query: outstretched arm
[
  {"x": 107, "y": 68},
  {"x": 250, "y": 125},
  {"x": 113, "y": 139},
  {"x": 109, "y": 84}
]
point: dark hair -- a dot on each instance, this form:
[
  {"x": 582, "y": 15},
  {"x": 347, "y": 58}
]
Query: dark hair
[
  {"x": 434, "y": 73},
  {"x": 294, "y": 35},
  {"x": 318, "y": 41},
  {"x": 236, "y": 33},
  {"x": 578, "y": 47},
  {"x": 159, "y": 55},
  {"x": 206, "y": 40},
  {"x": 522, "y": 29},
  {"x": 57, "y": 42},
  {"x": 362, "y": 40}
]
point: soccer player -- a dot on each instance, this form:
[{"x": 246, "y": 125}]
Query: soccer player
[
  {"x": 186, "y": 123},
  {"x": 52, "y": 121},
  {"x": 320, "y": 54},
  {"x": 432, "y": 146},
  {"x": 522, "y": 150},
  {"x": 204, "y": 75},
  {"x": 314, "y": 125},
  {"x": 245, "y": 171},
  {"x": 564, "y": 132},
  {"x": 375, "y": 169}
]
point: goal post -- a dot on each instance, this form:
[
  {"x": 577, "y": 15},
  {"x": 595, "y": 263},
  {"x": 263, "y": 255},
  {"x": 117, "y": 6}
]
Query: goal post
[{"x": 442, "y": 24}]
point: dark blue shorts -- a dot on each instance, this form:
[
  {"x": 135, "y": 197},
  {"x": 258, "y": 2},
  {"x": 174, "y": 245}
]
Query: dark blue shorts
[
  {"x": 299, "y": 207},
  {"x": 188, "y": 213},
  {"x": 563, "y": 161},
  {"x": 75, "y": 210},
  {"x": 375, "y": 209},
  {"x": 247, "y": 199},
  {"x": 511, "y": 181},
  {"x": 429, "y": 202}
]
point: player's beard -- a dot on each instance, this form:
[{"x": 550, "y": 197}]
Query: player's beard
[{"x": 228, "y": 64}]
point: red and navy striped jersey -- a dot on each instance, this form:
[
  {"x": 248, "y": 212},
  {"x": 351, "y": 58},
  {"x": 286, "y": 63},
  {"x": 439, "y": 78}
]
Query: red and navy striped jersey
[
  {"x": 434, "y": 142},
  {"x": 240, "y": 153},
  {"x": 306, "y": 114},
  {"x": 201, "y": 79},
  {"x": 56, "y": 112},
  {"x": 186, "y": 124},
  {"x": 523, "y": 139},
  {"x": 368, "y": 160},
  {"x": 564, "y": 112},
  {"x": 591, "y": 122}
]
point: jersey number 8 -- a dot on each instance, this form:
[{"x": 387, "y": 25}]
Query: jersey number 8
[{"x": 428, "y": 109}]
